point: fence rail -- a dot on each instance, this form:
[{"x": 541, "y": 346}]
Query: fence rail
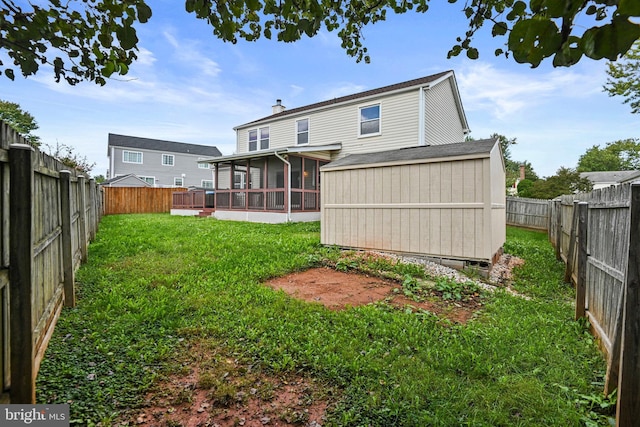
[{"x": 48, "y": 216}]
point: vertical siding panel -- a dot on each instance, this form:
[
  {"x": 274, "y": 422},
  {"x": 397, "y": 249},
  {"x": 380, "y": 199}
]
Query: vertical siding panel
[
  {"x": 469, "y": 237},
  {"x": 445, "y": 182},
  {"x": 414, "y": 229},
  {"x": 435, "y": 180},
  {"x": 457, "y": 181},
  {"x": 446, "y": 216}
]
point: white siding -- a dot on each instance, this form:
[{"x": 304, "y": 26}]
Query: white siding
[
  {"x": 339, "y": 124},
  {"x": 443, "y": 124},
  {"x": 441, "y": 209}
]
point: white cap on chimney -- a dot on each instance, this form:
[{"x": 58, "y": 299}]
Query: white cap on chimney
[{"x": 278, "y": 108}]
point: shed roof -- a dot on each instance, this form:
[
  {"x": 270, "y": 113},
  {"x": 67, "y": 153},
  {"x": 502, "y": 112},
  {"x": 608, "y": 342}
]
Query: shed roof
[
  {"x": 129, "y": 177},
  {"x": 116, "y": 140},
  {"x": 479, "y": 148},
  {"x": 422, "y": 81}
]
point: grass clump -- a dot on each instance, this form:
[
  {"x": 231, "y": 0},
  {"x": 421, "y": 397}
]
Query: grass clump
[{"x": 155, "y": 281}]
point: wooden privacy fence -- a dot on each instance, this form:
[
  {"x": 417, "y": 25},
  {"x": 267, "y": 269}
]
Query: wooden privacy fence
[
  {"x": 529, "y": 213},
  {"x": 125, "y": 200},
  {"x": 597, "y": 235},
  {"x": 48, "y": 216}
]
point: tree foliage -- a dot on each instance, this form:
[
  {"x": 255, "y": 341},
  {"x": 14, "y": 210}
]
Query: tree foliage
[
  {"x": 565, "y": 181},
  {"x": 20, "y": 120},
  {"x": 624, "y": 78},
  {"x": 615, "y": 156},
  {"x": 93, "y": 39}
]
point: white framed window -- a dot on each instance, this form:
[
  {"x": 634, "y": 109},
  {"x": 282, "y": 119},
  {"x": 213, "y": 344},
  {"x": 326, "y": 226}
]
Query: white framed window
[
  {"x": 207, "y": 183},
  {"x": 178, "y": 181},
  {"x": 168, "y": 160},
  {"x": 203, "y": 165},
  {"x": 302, "y": 131},
  {"x": 149, "y": 179},
  {"x": 259, "y": 139},
  {"x": 132, "y": 157},
  {"x": 369, "y": 120}
]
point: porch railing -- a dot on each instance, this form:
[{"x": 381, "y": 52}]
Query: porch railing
[
  {"x": 267, "y": 200},
  {"x": 197, "y": 199}
]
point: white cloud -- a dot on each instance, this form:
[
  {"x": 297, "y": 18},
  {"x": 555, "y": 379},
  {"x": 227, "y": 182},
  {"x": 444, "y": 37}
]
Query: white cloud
[
  {"x": 342, "y": 90},
  {"x": 188, "y": 52}
]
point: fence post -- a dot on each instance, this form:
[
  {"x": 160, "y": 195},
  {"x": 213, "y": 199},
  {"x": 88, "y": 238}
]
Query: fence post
[
  {"x": 67, "y": 252},
  {"x": 568, "y": 272},
  {"x": 581, "y": 284},
  {"x": 21, "y": 327},
  {"x": 559, "y": 230},
  {"x": 628, "y": 407},
  {"x": 93, "y": 217},
  {"x": 82, "y": 219}
]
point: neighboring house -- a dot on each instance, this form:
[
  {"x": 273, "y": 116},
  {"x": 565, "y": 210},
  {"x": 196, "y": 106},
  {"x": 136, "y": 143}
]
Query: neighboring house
[
  {"x": 160, "y": 163},
  {"x": 275, "y": 175},
  {"x": 129, "y": 180},
  {"x": 607, "y": 179}
]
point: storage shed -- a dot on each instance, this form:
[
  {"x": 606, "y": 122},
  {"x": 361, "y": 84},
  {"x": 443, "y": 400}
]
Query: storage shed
[{"x": 445, "y": 202}]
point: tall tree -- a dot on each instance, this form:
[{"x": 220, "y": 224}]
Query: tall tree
[
  {"x": 565, "y": 181},
  {"x": 615, "y": 156},
  {"x": 20, "y": 120},
  {"x": 624, "y": 78},
  {"x": 93, "y": 39}
]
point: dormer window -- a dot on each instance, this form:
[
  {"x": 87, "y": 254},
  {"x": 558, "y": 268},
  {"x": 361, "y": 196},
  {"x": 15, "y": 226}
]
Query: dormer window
[{"x": 370, "y": 120}]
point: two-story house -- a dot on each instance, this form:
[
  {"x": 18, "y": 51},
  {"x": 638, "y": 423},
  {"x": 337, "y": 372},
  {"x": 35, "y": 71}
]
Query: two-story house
[
  {"x": 396, "y": 173},
  {"x": 275, "y": 175},
  {"x": 160, "y": 163}
]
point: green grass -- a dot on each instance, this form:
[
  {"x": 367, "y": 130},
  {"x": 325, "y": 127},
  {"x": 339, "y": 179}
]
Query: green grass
[{"x": 155, "y": 281}]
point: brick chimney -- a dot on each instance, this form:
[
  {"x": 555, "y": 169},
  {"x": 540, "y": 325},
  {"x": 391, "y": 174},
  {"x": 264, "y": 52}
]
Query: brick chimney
[
  {"x": 521, "y": 172},
  {"x": 278, "y": 108}
]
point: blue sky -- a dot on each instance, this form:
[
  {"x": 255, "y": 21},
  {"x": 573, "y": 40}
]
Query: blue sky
[{"x": 188, "y": 86}]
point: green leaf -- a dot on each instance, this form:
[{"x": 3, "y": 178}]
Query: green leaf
[
  {"x": 532, "y": 40},
  {"x": 499, "y": 29},
  {"x": 144, "y": 12},
  {"x": 127, "y": 37},
  {"x": 610, "y": 40},
  {"x": 472, "y": 53},
  {"x": 9, "y": 73},
  {"x": 629, "y": 7}
]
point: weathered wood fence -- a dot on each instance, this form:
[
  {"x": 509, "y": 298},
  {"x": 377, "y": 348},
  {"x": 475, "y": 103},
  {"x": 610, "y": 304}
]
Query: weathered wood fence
[
  {"x": 597, "y": 235},
  {"x": 529, "y": 213},
  {"x": 125, "y": 200},
  {"x": 47, "y": 215}
]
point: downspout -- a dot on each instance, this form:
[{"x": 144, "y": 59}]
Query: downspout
[{"x": 288, "y": 184}]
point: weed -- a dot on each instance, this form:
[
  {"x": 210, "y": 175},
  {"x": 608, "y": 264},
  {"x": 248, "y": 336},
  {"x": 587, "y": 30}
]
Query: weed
[{"x": 453, "y": 290}]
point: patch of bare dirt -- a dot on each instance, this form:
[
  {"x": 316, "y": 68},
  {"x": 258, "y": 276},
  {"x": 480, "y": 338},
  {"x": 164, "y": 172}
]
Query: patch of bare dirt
[{"x": 338, "y": 290}]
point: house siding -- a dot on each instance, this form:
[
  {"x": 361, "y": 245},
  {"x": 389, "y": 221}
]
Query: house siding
[
  {"x": 400, "y": 123},
  {"x": 440, "y": 107},
  {"x": 152, "y": 166},
  {"x": 444, "y": 208}
]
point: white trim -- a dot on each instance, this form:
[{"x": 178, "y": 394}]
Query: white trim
[
  {"x": 360, "y": 108},
  {"x": 181, "y": 183},
  {"x": 308, "y": 132},
  {"x": 421, "y": 119},
  {"x": 136, "y": 152},
  {"x": 173, "y": 159}
]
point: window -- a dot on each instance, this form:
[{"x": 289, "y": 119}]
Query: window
[
  {"x": 167, "y": 160},
  {"x": 203, "y": 165},
  {"x": 149, "y": 179},
  {"x": 132, "y": 157},
  {"x": 178, "y": 182},
  {"x": 264, "y": 139},
  {"x": 370, "y": 120},
  {"x": 207, "y": 183},
  {"x": 302, "y": 131}
]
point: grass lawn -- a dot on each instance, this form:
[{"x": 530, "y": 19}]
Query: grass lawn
[{"x": 156, "y": 282}]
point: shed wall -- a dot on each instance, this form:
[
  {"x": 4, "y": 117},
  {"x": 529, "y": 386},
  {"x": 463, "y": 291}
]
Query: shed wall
[{"x": 441, "y": 209}]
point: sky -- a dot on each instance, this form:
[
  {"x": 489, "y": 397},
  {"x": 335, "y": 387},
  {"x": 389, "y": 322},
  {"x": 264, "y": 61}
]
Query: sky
[{"x": 188, "y": 86}]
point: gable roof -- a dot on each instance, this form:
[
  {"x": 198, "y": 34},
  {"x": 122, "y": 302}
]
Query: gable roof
[
  {"x": 422, "y": 81},
  {"x": 129, "y": 177},
  {"x": 471, "y": 149},
  {"x": 116, "y": 140},
  {"x": 610, "y": 176}
]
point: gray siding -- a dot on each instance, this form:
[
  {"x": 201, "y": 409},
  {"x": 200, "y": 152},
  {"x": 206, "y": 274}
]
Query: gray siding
[{"x": 152, "y": 167}]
